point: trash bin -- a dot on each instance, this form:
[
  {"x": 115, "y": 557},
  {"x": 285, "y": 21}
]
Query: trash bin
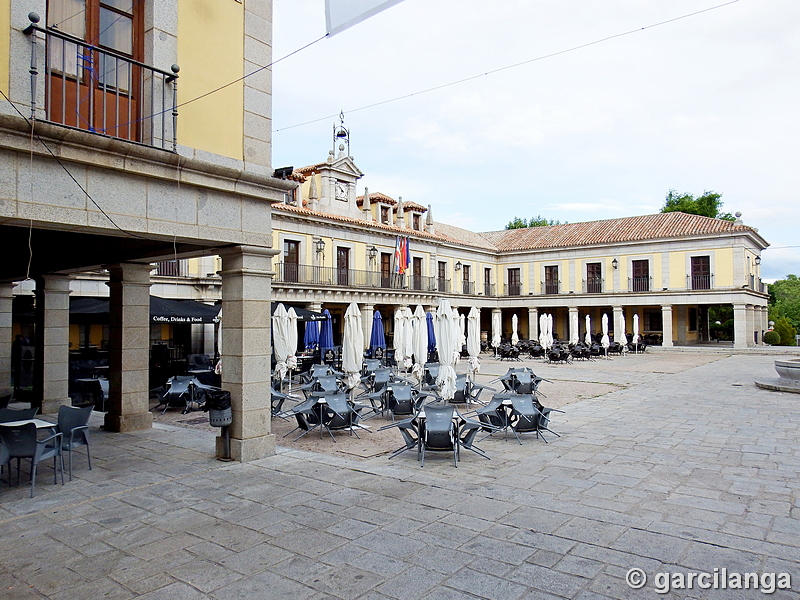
[{"x": 218, "y": 405}]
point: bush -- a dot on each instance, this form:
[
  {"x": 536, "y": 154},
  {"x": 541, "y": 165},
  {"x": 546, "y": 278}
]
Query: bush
[
  {"x": 773, "y": 338},
  {"x": 784, "y": 329}
]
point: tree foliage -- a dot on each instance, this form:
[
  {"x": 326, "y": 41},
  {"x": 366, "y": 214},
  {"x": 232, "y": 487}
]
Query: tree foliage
[
  {"x": 537, "y": 221},
  {"x": 784, "y": 329},
  {"x": 784, "y": 300},
  {"x": 707, "y": 205}
]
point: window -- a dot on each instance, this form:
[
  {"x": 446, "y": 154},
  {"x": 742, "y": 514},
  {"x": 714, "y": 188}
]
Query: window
[
  {"x": 95, "y": 86},
  {"x": 551, "y": 279},
  {"x": 385, "y": 215},
  {"x": 653, "y": 319},
  {"x": 701, "y": 272},
  {"x": 386, "y": 269},
  {"x": 640, "y": 280},
  {"x": 594, "y": 278},
  {"x": 416, "y": 265},
  {"x": 343, "y": 266},
  {"x": 417, "y": 221},
  {"x": 291, "y": 260},
  {"x": 514, "y": 282},
  {"x": 488, "y": 289},
  {"x": 466, "y": 284},
  {"x": 441, "y": 276}
]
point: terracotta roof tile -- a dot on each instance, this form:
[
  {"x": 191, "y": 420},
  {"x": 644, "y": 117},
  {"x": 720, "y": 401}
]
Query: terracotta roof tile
[
  {"x": 392, "y": 229},
  {"x": 377, "y": 197},
  {"x": 628, "y": 229}
]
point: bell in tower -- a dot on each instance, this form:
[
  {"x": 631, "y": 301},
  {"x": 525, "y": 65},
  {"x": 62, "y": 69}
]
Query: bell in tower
[{"x": 341, "y": 137}]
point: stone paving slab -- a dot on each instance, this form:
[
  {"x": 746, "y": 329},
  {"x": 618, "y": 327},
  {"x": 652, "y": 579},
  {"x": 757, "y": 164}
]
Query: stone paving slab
[{"x": 683, "y": 466}]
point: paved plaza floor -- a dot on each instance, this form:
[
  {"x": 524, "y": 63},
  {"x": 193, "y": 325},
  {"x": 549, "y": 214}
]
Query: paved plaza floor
[{"x": 672, "y": 463}]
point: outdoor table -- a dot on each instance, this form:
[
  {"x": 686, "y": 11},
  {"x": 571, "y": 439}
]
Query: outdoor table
[{"x": 40, "y": 423}]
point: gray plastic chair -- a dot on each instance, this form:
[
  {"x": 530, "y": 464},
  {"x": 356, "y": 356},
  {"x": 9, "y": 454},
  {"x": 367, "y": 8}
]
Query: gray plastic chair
[
  {"x": 8, "y": 415},
  {"x": 20, "y": 442},
  {"x": 73, "y": 424}
]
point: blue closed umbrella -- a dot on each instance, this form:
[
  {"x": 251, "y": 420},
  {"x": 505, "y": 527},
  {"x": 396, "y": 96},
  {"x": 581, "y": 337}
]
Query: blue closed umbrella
[
  {"x": 431, "y": 334},
  {"x": 311, "y": 336},
  {"x": 326, "y": 332},
  {"x": 377, "y": 338}
]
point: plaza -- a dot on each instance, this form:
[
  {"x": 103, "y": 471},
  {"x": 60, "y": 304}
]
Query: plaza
[{"x": 679, "y": 465}]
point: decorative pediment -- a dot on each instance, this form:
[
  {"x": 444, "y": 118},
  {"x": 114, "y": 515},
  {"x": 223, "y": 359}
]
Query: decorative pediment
[{"x": 343, "y": 167}]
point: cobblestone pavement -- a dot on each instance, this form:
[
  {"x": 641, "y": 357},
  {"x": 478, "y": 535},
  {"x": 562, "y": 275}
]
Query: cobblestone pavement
[{"x": 674, "y": 470}]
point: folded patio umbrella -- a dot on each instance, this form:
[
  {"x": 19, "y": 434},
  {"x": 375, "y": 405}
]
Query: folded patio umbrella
[
  {"x": 377, "y": 339},
  {"x": 311, "y": 335},
  {"x": 431, "y": 333},
  {"x": 326, "y": 332}
]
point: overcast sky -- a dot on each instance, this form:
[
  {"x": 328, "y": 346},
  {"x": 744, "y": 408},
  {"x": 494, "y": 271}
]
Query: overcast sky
[{"x": 709, "y": 102}]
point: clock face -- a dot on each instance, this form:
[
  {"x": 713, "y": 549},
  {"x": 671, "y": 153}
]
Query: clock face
[{"x": 341, "y": 190}]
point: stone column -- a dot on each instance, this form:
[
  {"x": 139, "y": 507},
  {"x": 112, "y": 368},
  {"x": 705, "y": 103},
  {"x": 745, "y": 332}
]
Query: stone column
[
  {"x": 740, "y": 326},
  {"x": 129, "y": 353},
  {"x": 764, "y": 323},
  {"x": 616, "y": 312},
  {"x": 367, "y": 311},
  {"x": 573, "y": 310},
  {"x": 246, "y": 291},
  {"x": 666, "y": 326},
  {"x": 6, "y": 302},
  {"x": 51, "y": 364},
  {"x": 683, "y": 324},
  {"x": 533, "y": 324},
  {"x": 751, "y": 325},
  {"x": 315, "y": 307}
]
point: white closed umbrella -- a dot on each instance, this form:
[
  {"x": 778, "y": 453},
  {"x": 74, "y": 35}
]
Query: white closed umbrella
[
  {"x": 573, "y": 329},
  {"x": 619, "y": 330},
  {"x": 543, "y": 330},
  {"x": 635, "y": 330},
  {"x": 462, "y": 332},
  {"x": 399, "y": 334},
  {"x": 420, "y": 340},
  {"x": 446, "y": 329},
  {"x": 291, "y": 359},
  {"x": 550, "y": 337},
  {"x": 408, "y": 338},
  {"x": 474, "y": 339},
  {"x": 604, "y": 341},
  {"x": 496, "y": 326},
  {"x": 587, "y": 339},
  {"x": 352, "y": 345},
  {"x": 281, "y": 347},
  {"x": 514, "y": 326}
]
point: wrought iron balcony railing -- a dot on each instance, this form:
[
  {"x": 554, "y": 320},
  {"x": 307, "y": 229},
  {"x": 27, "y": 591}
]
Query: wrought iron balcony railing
[
  {"x": 593, "y": 285},
  {"x": 513, "y": 289},
  {"x": 551, "y": 287},
  {"x": 700, "y": 282},
  {"x": 639, "y": 284},
  {"x": 102, "y": 91},
  {"x": 334, "y": 276}
]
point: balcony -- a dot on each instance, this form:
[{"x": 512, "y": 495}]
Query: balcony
[
  {"x": 593, "y": 285},
  {"x": 699, "y": 282},
  {"x": 337, "y": 277},
  {"x": 488, "y": 289},
  {"x": 468, "y": 288},
  {"x": 551, "y": 287},
  {"x": 103, "y": 92},
  {"x": 639, "y": 284},
  {"x": 513, "y": 289}
]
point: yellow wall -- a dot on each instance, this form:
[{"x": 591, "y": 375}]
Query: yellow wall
[
  {"x": 5, "y": 40},
  {"x": 211, "y": 54},
  {"x": 723, "y": 267},
  {"x": 677, "y": 270},
  {"x": 74, "y": 336}
]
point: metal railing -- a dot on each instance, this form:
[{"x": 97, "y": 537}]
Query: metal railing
[
  {"x": 551, "y": 287},
  {"x": 593, "y": 285},
  {"x": 513, "y": 289},
  {"x": 488, "y": 289},
  {"x": 338, "y": 277},
  {"x": 102, "y": 91},
  {"x": 468, "y": 287},
  {"x": 639, "y": 284},
  {"x": 699, "y": 282},
  {"x": 171, "y": 268}
]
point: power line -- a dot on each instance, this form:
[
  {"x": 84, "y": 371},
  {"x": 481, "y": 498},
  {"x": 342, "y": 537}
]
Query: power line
[{"x": 513, "y": 66}]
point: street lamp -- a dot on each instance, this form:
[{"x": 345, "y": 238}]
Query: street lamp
[
  {"x": 757, "y": 260},
  {"x": 372, "y": 253},
  {"x": 458, "y": 265},
  {"x": 319, "y": 246},
  {"x": 615, "y": 263}
]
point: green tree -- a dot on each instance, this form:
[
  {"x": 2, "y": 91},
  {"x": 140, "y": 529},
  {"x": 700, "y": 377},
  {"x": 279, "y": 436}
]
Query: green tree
[
  {"x": 707, "y": 205},
  {"x": 537, "y": 221},
  {"x": 784, "y": 329},
  {"x": 784, "y": 300}
]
